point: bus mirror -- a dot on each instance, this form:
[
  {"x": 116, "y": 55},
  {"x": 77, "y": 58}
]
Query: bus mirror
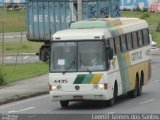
[{"x": 110, "y": 53}]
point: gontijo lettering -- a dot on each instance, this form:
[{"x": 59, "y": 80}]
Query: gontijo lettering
[{"x": 136, "y": 56}]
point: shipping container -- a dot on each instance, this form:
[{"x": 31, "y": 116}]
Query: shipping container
[
  {"x": 45, "y": 17},
  {"x": 12, "y": 1}
]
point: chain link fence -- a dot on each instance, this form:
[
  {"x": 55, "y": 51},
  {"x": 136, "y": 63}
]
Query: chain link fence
[{"x": 12, "y": 28}]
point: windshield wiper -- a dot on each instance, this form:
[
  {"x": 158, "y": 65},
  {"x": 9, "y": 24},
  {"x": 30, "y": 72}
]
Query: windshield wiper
[
  {"x": 88, "y": 70},
  {"x": 81, "y": 62}
]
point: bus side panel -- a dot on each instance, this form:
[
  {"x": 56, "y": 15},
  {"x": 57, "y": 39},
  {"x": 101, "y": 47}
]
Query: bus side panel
[
  {"x": 138, "y": 65},
  {"x": 123, "y": 67},
  {"x": 145, "y": 67},
  {"x": 114, "y": 75}
]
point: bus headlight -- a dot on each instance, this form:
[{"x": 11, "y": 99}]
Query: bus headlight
[
  {"x": 100, "y": 86},
  {"x": 56, "y": 87}
]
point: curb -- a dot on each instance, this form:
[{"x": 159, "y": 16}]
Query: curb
[
  {"x": 21, "y": 54},
  {"x": 22, "y": 97},
  {"x": 15, "y": 37}
]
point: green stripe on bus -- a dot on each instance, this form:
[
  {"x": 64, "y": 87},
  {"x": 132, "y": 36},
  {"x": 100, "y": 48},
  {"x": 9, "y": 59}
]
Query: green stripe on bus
[
  {"x": 124, "y": 72},
  {"x": 79, "y": 79},
  {"x": 87, "y": 79},
  {"x": 114, "y": 32}
]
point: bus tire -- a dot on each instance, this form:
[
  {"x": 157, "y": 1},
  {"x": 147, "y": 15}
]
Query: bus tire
[
  {"x": 133, "y": 93},
  {"x": 64, "y": 104},
  {"x": 44, "y": 55},
  {"x": 139, "y": 92},
  {"x": 111, "y": 102}
]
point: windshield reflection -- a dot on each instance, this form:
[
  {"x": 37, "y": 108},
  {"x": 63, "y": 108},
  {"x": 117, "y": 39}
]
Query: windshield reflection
[{"x": 78, "y": 56}]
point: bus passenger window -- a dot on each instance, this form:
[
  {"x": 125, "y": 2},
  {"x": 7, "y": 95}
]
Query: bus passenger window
[
  {"x": 117, "y": 45},
  {"x": 129, "y": 41},
  {"x": 146, "y": 36},
  {"x": 134, "y": 38},
  {"x": 140, "y": 39},
  {"x": 111, "y": 41},
  {"x": 123, "y": 43}
]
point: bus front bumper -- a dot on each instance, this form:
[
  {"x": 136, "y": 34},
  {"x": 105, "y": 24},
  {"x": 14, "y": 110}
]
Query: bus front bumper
[{"x": 79, "y": 96}]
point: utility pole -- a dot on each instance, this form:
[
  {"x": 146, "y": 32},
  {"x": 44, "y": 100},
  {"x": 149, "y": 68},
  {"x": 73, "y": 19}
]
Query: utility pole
[
  {"x": 2, "y": 15},
  {"x": 79, "y": 9}
]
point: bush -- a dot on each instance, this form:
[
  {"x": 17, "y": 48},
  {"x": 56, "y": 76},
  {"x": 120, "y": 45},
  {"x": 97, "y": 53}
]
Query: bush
[
  {"x": 145, "y": 15},
  {"x": 158, "y": 27},
  {"x": 2, "y": 80}
]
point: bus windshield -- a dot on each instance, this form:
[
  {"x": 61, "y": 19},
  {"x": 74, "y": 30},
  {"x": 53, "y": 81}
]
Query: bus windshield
[{"x": 78, "y": 56}]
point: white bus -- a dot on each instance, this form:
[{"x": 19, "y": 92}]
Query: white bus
[{"x": 100, "y": 59}]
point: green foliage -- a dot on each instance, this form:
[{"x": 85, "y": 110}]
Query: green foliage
[
  {"x": 158, "y": 27},
  {"x": 26, "y": 47},
  {"x": 14, "y": 21},
  {"x": 144, "y": 16},
  {"x": 17, "y": 72},
  {"x": 8, "y": 49},
  {"x": 156, "y": 37},
  {"x": 152, "y": 20},
  {"x": 2, "y": 79}
]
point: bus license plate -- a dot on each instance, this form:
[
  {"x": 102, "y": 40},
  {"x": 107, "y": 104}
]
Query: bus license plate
[{"x": 78, "y": 97}]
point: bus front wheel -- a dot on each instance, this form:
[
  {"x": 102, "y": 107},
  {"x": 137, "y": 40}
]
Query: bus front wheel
[
  {"x": 64, "y": 104},
  {"x": 111, "y": 102}
]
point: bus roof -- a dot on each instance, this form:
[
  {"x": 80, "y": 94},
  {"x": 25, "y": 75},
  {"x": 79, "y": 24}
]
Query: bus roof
[{"x": 100, "y": 27}]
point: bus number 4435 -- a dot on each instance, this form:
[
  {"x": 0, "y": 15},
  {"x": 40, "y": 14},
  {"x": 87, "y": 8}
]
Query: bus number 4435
[{"x": 60, "y": 81}]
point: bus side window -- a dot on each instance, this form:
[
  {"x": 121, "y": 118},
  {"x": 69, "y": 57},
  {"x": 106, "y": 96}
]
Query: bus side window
[
  {"x": 111, "y": 41},
  {"x": 129, "y": 41},
  {"x": 123, "y": 43},
  {"x": 140, "y": 39},
  {"x": 107, "y": 42},
  {"x": 146, "y": 37},
  {"x": 117, "y": 45},
  {"x": 134, "y": 39}
]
